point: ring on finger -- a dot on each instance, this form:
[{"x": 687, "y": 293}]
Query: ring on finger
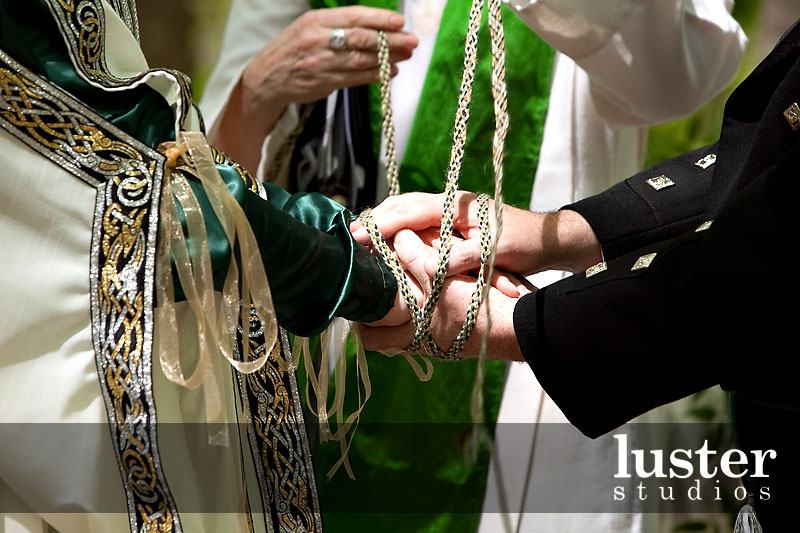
[{"x": 337, "y": 40}]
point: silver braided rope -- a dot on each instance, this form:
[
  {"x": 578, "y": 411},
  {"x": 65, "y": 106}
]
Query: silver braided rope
[
  {"x": 385, "y": 73},
  {"x": 500, "y": 98},
  {"x": 422, "y": 336},
  {"x": 421, "y": 318}
]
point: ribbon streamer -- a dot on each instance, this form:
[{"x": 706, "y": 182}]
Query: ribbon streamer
[
  {"x": 217, "y": 317},
  {"x": 333, "y": 346}
]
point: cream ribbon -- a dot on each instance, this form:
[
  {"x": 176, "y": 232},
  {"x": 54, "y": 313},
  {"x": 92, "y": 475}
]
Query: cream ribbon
[
  {"x": 333, "y": 343},
  {"x": 217, "y": 319}
]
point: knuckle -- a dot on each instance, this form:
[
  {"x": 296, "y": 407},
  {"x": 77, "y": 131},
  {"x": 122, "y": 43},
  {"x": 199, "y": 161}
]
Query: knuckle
[
  {"x": 307, "y": 40},
  {"x": 360, "y": 38},
  {"x": 303, "y": 66},
  {"x": 358, "y": 60}
]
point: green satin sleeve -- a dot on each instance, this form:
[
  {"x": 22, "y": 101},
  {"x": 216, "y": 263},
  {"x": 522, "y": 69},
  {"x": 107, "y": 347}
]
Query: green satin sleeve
[{"x": 316, "y": 271}]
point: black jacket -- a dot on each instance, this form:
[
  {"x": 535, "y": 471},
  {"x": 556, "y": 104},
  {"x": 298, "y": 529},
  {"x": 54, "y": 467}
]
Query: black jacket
[{"x": 716, "y": 304}]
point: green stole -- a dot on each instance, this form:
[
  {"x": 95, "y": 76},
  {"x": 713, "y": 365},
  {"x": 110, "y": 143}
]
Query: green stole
[{"x": 410, "y": 445}]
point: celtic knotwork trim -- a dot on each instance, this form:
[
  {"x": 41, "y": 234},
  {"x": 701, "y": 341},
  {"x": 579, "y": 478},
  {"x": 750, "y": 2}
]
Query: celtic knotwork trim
[
  {"x": 278, "y": 440},
  {"x": 126, "y": 9},
  {"x": 82, "y": 24},
  {"x": 254, "y": 185},
  {"x": 127, "y": 175}
]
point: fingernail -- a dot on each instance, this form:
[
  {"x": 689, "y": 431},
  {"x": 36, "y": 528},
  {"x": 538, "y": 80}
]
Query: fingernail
[
  {"x": 360, "y": 234},
  {"x": 396, "y": 20}
]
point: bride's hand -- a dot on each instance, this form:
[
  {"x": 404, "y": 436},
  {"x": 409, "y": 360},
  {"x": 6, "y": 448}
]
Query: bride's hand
[{"x": 412, "y": 253}]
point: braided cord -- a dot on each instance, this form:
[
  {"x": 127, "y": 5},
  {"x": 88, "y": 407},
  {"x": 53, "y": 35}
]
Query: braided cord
[
  {"x": 385, "y": 72},
  {"x": 390, "y": 257},
  {"x": 421, "y": 318},
  {"x": 422, "y": 335},
  {"x": 500, "y": 99}
]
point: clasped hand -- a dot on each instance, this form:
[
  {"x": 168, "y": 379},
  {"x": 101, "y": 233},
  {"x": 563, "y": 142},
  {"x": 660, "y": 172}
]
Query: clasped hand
[
  {"x": 529, "y": 243},
  {"x": 410, "y": 224}
]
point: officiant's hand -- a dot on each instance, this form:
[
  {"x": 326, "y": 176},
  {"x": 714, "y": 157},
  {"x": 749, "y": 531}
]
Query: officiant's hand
[{"x": 304, "y": 63}]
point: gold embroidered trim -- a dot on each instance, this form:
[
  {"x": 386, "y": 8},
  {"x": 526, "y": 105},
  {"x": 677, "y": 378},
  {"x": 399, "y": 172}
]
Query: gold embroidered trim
[
  {"x": 221, "y": 158},
  {"x": 278, "y": 441},
  {"x": 127, "y": 175},
  {"x": 83, "y": 28}
]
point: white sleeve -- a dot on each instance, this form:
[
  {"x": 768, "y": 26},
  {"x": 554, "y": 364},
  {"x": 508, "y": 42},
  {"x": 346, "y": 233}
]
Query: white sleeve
[
  {"x": 649, "y": 60},
  {"x": 251, "y": 25}
]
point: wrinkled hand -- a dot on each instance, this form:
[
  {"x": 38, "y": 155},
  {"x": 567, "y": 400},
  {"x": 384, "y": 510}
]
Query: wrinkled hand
[{"x": 299, "y": 66}]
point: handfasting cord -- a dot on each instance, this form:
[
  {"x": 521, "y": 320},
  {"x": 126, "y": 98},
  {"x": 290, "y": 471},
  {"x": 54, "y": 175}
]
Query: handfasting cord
[
  {"x": 421, "y": 318},
  {"x": 388, "y": 118},
  {"x": 500, "y": 98}
]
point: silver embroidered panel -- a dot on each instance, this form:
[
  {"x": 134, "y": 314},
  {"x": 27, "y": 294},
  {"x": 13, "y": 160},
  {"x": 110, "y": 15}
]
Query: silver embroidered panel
[{"x": 127, "y": 175}]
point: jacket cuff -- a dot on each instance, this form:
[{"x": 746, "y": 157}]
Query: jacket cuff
[{"x": 659, "y": 203}]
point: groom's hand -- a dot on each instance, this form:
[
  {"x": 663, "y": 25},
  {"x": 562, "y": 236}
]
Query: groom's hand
[{"x": 529, "y": 242}]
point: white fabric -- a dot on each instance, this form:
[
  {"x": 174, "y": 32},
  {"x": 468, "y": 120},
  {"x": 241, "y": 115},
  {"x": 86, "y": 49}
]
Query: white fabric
[
  {"x": 47, "y": 368},
  {"x": 125, "y": 59},
  {"x": 48, "y": 371},
  {"x": 621, "y": 65}
]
